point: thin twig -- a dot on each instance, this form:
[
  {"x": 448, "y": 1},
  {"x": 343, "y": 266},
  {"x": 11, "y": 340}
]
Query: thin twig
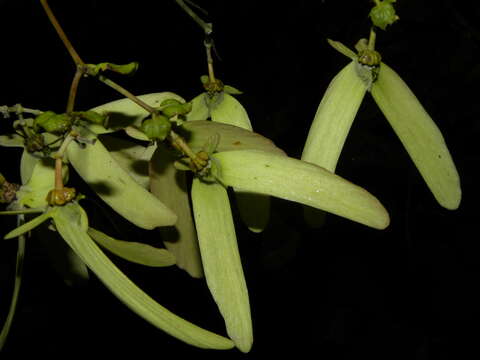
[
  {"x": 73, "y": 89},
  {"x": 126, "y": 93},
  {"x": 207, "y": 27},
  {"x": 211, "y": 74},
  {"x": 73, "y": 53}
]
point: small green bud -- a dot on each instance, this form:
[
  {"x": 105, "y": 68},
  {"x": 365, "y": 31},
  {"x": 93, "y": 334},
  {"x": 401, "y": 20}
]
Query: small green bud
[
  {"x": 204, "y": 79},
  {"x": 383, "y": 13},
  {"x": 53, "y": 123},
  {"x": 157, "y": 127}
]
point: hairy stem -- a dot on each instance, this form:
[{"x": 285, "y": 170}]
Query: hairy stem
[{"x": 73, "y": 53}]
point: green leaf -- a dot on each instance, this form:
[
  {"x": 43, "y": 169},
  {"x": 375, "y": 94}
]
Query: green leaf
[
  {"x": 221, "y": 260},
  {"x": 170, "y": 186},
  {"x": 16, "y": 288},
  {"x": 232, "y": 137},
  {"x": 420, "y": 136},
  {"x": 302, "y": 182},
  {"x": 68, "y": 222},
  {"x": 98, "y": 168},
  {"x": 136, "y": 252},
  {"x": 22, "y": 229}
]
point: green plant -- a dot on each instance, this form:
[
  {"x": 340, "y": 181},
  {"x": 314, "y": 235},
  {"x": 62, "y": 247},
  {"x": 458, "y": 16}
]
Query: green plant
[{"x": 180, "y": 142}]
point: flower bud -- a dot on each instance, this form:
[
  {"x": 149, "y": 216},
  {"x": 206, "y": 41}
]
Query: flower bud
[{"x": 157, "y": 127}]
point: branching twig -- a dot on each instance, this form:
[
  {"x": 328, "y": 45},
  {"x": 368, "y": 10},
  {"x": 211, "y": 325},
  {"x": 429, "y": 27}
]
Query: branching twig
[{"x": 206, "y": 27}]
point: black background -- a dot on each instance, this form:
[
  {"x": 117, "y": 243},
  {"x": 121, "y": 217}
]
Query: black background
[{"x": 340, "y": 292}]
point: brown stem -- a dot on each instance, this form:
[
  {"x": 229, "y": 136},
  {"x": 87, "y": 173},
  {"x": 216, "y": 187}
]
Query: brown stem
[
  {"x": 73, "y": 53},
  {"x": 73, "y": 89},
  {"x": 180, "y": 144},
  {"x": 126, "y": 93},
  {"x": 58, "y": 174}
]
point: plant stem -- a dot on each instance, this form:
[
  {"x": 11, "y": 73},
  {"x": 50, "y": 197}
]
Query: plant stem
[
  {"x": 126, "y": 93},
  {"x": 371, "y": 40},
  {"x": 207, "y": 27},
  {"x": 208, "y": 48},
  {"x": 73, "y": 89},
  {"x": 73, "y": 53}
]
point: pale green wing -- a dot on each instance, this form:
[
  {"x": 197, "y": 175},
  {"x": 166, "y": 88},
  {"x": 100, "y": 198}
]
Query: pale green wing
[
  {"x": 68, "y": 222},
  {"x": 333, "y": 118},
  {"x": 197, "y": 134},
  {"x": 118, "y": 189},
  {"x": 131, "y": 157},
  {"x": 228, "y": 110},
  {"x": 136, "y": 252},
  {"x": 221, "y": 260},
  {"x": 16, "y": 288},
  {"x": 302, "y": 182},
  {"x": 420, "y": 136},
  {"x": 170, "y": 186},
  {"x": 254, "y": 208},
  {"x": 331, "y": 125}
]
